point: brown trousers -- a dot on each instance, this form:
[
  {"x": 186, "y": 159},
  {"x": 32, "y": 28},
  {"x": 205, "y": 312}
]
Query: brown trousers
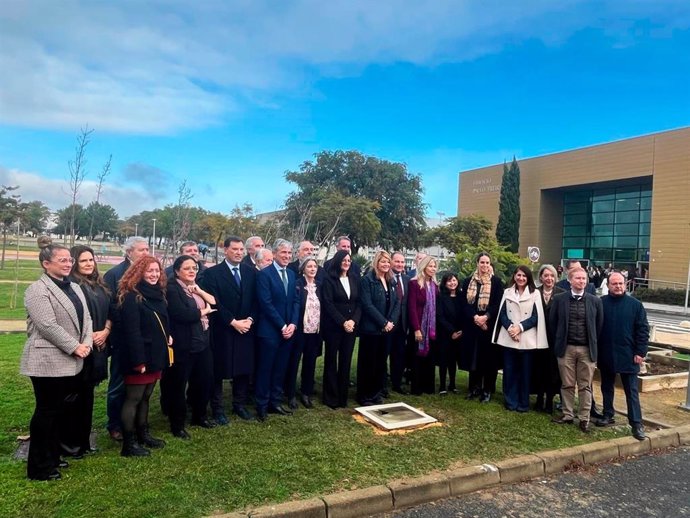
[{"x": 576, "y": 368}]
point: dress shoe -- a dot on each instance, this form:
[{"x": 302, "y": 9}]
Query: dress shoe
[
  {"x": 562, "y": 420},
  {"x": 261, "y": 415},
  {"x": 442, "y": 392},
  {"x": 485, "y": 398},
  {"x": 181, "y": 434},
  {"x": 595, "y": 414},
  {"x": 220, "y": 418},
  {"x": 605, "y": 421},
  {"x": 306, "y": 401},
  {"x": 292, "y": 404},
  {"x": 63, "y": 464},
  {"x": 280, "y": 410},
  {"x": 453, "y": 390},
  {"x": 378, "y": 400},
  {"x": 115, "y": 435},
  {"x": 473, "y": 394},
  {"x": 53, "y": 475},
  {"x": 243, "y": 413},
  {"x": 584, "y": 426},
  {"x": 638, "y": 432}
]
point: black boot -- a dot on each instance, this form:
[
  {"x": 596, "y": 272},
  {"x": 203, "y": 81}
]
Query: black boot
[
  {"x": 131, "y": 448},
  {"x": 146, "y": 439}
]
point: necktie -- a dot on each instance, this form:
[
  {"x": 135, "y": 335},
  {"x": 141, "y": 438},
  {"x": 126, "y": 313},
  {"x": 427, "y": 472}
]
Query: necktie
[
  {"x": 236, "y": 275},
  {"x": 399, "y": 287},
  {"x": 283, "y": 274}
]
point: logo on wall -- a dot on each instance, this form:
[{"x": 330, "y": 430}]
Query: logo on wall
[{"x": 533, "y": 253}]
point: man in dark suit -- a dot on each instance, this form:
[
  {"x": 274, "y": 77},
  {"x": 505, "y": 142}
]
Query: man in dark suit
[
  {"x": 622, "y": 348},
  {"x": 399, "y": 339},
  {"x": 135, "y": 247},
  {"x": 252, "y": 244},
  {"x": 304, "y": 250},
  {"x": 191, "y": 249},
  {"x": 278, "y": 314},
  {"x": 344, "y": 243},
  {"x": 233, "y": 284},
  {"x": 577, "y": 317}
]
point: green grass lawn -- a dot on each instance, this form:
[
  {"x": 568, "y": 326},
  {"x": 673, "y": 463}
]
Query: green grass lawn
[{"x": 314, "y": 452}]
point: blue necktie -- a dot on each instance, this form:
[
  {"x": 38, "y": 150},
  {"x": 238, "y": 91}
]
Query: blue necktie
[
  {"x": 236, "y": 275},
  {"x": 283, "y": 274}
]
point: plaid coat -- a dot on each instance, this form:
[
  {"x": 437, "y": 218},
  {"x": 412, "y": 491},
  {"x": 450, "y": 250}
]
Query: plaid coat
[{"x": 53, "y": 331}]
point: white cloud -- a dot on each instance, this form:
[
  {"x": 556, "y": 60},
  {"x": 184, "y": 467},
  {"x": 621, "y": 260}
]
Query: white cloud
[
  {"x": 162, "y": 66},
  {"x": 56, "y": 195}
]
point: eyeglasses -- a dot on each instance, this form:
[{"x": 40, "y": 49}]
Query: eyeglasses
[{"x": 63, "y": 260}]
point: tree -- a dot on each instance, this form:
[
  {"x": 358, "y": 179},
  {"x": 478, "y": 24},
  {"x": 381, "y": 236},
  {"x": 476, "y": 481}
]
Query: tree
[
  {"x": 73, "y": 219},
  {"x": 9, "y": 211},
  {"x": 99, "y": 189},
  {"x": 102, "y": 219},
  {"x": 373, "y": 201},
  {"x": 34, "y": 216},
  {"x": 508, "y": 227},
  {"x": 77, "y": 173},
  {"x": 460, "y": 232}
]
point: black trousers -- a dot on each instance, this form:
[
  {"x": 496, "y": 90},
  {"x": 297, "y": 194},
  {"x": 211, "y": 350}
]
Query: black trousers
[
  {"x": 398, "y": 355},
  {"x": 336, "y": 368},
  {"x": 77, "y": 418},
  {"x": 423, "y": 375},
  {"x": 371, "y": 367},
  {"x": 44, "y": 449},
  {"x": 240, "y": 394},
  {"x": 193, "y": 370},
  {"x": 307, "y": 347}
]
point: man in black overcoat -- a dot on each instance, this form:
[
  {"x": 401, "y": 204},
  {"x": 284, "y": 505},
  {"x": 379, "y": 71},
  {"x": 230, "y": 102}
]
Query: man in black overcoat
[{"x": 233, "y": 284}]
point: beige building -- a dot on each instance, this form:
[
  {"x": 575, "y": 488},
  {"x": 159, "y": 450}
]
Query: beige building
[{"x": 625, "y": 202}]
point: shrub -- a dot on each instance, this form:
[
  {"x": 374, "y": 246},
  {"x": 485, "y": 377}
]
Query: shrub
[{"x": 661, "y": 296}]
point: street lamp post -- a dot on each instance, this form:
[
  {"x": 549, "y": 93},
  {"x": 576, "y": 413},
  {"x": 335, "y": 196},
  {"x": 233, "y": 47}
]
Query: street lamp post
[
  {"x": 136, "y": 229},
  {"x": 153, "y": 242}
]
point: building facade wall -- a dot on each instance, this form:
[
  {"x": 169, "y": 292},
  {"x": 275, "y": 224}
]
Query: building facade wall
[{"x": 665, "y": 157}]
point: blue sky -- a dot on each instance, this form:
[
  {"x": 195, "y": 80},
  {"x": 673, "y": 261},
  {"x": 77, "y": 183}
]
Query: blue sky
[{"x": 231, "y": 94}]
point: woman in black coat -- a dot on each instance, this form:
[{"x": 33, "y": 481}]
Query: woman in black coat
[
  {"x": 307, "y": 344},
  {"x": 481, "y": 300},
  {"x": 546, "y": 380},
  {"x": 75, "y": 440},
  {"x": 380, "y": 309},
  {"x": 188, "y": 309},
  {"x": 340, "y": 316},
  {"x": 144, "y": 352},
  {"x": 449, "y": 331}
]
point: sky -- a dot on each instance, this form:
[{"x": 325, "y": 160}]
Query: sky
[{"x": 230, "y": 94}]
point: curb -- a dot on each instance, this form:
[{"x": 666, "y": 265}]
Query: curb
[{"x": 401, "y": 494}]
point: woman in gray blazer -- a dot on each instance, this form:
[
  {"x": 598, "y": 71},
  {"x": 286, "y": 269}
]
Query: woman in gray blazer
[{"x": 59, "y": 337}]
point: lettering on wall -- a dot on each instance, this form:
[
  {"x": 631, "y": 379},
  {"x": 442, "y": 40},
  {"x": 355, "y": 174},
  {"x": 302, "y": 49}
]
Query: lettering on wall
[{"x": 484, "y": 185}]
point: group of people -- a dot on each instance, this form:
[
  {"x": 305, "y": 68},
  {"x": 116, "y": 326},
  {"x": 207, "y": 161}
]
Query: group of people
[{"x": 258, "y": 315}]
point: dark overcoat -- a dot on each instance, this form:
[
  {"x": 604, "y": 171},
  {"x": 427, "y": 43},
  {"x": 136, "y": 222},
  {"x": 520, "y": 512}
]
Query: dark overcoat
[
  {"x": 233, "y": 353},
  {"x": 476, "y": 346},
  {"x": 625, "y": 333}
]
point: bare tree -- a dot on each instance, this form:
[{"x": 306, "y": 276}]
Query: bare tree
[
  {"x": 9, "y": 211},
  {"x": 181, "y": 220},
  {"x": 99, "y": 189},
  {"x": 77, "y": 173}
]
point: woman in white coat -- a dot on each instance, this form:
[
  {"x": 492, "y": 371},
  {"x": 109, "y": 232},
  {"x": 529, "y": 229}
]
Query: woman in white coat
[{"x": 520, "y": 329}]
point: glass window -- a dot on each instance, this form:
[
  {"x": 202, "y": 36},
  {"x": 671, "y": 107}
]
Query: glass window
[
  {"x": 574, "y": 253},
  {"x": 644, "y": 229},
  {"x": 603, "y": 206},
  {"x": 626, "y": 229},
  {"x": 577, "y": 196},
  {"x": 573, "y": 242},
  {"x": 625, "y": 255},
  {"x": 575, "y": 208},
  {"x": 604, "y": 194},
  {"x": 645, "y": 203},
  {"x": 602, "y": 230},
  {"x": 646, "y": 190},
  {"x": 602, "y": 242},
  {"x": 602, "y": 254},
  {"x": 632, "y": 216},
  {"x": 576, "y": 219},
  {"x": 625, "y": 242},
  {"x": 627, "y": 204},
  {"x": 645, "y": 216},
  {"x": 643, "y": 254},
  {"x": 628, "y": 192},
  {"x": 602, "y": 218},
  {"x": 574, "y": 231},
  {"x": 643, "y": 242}
]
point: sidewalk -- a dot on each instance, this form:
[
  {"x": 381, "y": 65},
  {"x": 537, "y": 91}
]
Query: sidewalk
[
  {"x": 12, "y": 326},
  {"x": 666, "y": 308}
]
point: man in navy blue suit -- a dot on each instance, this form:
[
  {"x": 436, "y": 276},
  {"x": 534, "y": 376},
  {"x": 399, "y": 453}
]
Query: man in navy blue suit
[{"x": 278, "y": 302}]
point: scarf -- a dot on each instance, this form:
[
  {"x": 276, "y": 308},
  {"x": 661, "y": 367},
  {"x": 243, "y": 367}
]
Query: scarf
[
  {"x": 484, "y": 292},
  {"x": 200, "y": 303},
  {"x": 428, "y": 320}
]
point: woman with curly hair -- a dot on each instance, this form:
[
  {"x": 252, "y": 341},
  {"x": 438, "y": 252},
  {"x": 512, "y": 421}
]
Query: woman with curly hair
[{"x": 141, "y": 298}]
